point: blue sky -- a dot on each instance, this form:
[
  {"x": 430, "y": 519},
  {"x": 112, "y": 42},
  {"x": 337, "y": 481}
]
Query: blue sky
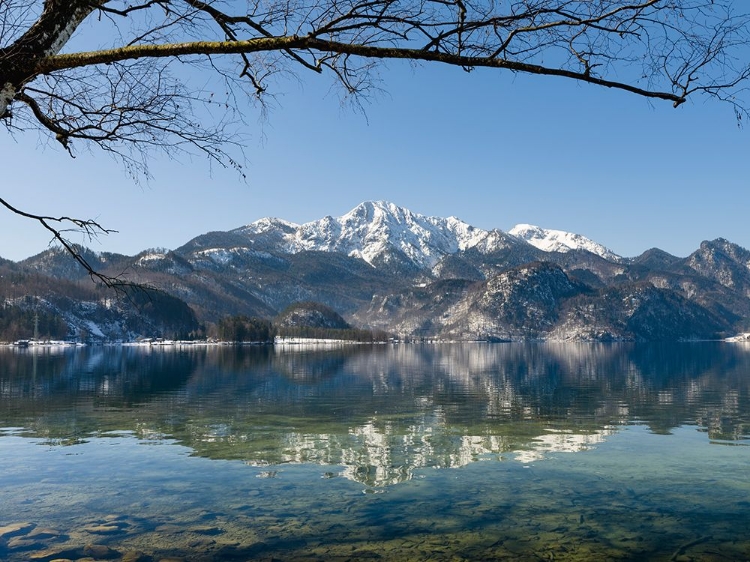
[{"x": 491, "y": 148}]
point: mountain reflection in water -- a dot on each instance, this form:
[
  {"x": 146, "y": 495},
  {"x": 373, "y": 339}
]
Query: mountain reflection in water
[{"x": 379, "y": 412}]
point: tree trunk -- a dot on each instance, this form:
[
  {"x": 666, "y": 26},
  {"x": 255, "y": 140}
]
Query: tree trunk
[{"x": 49, "y": 34}]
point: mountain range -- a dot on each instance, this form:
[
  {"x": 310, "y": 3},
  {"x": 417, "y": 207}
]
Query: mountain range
[{"x": 381, "y": 266}]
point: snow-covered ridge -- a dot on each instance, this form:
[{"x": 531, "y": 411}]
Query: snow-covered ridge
[
  {"x": 549, "y": 240},
  {"x": 372, "y": 229},
  {"x": 269, "y": 224},
  {"x": 151, "y": 257},
  {"x": 375, "y": 229}
]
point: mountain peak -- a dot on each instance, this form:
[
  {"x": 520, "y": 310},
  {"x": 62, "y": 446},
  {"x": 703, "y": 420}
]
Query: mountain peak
[
  {"x": 378, "y": 228},
  {"x": 381, "y": 206},
  {"x": 371, "y": 212},
  {"x": 549, "y": 240},
  {"x": 381, "y": 232},
  {"x": 267, "y": 224}
]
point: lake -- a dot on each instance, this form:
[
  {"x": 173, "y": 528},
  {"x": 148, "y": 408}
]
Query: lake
[{"x": 393, "y": 452}]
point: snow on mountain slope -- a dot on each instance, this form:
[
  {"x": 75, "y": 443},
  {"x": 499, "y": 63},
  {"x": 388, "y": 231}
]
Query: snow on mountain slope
[
  {"x": 560, "y": 241},
  {"x": 373, "y": 228},
  {"x": 269, "y": 224},
  {"x": 377, "y": 228}
]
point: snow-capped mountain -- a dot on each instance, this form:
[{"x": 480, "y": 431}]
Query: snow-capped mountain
[
  {"x": 374, "y": 229},
  {"x": 384, "y": 267},
  {"x": 560, "y": 241}
]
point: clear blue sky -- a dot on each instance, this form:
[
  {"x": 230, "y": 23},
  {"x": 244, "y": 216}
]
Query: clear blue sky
[{"x": 491, "y": 148}]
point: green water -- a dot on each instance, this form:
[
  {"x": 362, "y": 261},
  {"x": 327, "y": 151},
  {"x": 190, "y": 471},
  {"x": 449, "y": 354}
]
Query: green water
[{"x": 435, "y": 452}]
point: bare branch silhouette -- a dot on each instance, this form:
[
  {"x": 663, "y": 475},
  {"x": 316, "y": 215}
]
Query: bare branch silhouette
[{"x": 178, "y": 77}]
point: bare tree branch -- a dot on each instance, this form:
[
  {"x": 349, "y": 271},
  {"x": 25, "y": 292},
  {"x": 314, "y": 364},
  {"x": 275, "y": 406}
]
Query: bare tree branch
[
  {"x": 90, "y": 228},
  {"x": 326, "y": 47},
  {"x": 133, "y": 97}
]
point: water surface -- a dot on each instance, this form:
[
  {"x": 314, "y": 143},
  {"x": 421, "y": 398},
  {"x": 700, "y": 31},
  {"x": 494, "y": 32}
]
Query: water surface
[{"x": 406, "y": 452}]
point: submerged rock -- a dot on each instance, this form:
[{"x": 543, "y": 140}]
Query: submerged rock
[
  {"x": 135, "y": 556},
  {"x": 43, "y": 533},
  {"x": 56, "y": 554},
  {"x": 15, "y": 529},
  {"x": 24, "y": 543},
  {"x": 100, "y": 551},
  {"x": 206, "y": 530},
  {"x": 102, "y": 529}
]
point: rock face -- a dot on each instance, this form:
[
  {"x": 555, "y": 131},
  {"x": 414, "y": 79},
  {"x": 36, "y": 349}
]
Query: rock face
[
  {"x": 721, "y": 261},
  {"x": 540, "y": 301},
  {"x": 638, "y": 312},
  {"x": 385, "y": 267},
  {"x": 523, "y": 302}
]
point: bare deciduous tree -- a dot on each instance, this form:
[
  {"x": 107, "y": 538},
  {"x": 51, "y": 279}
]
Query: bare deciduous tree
[{"x": 110, "y": 73}]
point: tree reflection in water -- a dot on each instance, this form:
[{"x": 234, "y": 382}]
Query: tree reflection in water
[{"x": 379, "y": 412}]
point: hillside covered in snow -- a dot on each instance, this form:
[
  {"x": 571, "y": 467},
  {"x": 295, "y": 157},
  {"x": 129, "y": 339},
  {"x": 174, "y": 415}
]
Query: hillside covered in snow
[{"x": 381, "y": 266}]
